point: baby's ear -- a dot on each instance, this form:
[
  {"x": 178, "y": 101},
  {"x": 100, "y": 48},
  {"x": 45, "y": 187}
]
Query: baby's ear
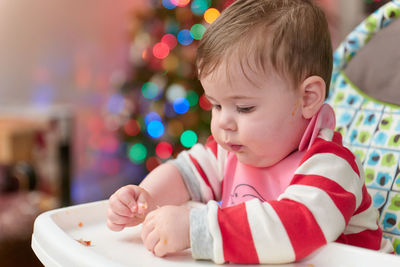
[{"x": 313, "y": 90}]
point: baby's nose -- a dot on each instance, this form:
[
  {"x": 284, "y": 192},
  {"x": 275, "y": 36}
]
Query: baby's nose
[{"x": 227, "y": 122}]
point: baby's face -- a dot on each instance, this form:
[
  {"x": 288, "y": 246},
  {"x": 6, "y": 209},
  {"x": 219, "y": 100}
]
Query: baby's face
[{"x": 261, "y": 123}]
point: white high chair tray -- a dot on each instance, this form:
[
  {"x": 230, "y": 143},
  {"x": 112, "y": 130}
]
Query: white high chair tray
[{"x": 56, "y": 234}]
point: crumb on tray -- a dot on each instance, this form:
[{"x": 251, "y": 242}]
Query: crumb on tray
[{"x": 87, "y": 243}]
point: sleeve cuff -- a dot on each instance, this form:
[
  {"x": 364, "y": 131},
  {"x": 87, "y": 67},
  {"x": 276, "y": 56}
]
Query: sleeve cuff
[{"x": 200, "y": 239}]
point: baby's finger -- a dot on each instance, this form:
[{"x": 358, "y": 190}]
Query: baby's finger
[
  {"x": 150, "y": 216},
  {"x": 127, "y": 196},
  {"x": 115, "y": 227},
  {"x": 160, "y": 249},
  {"x": 151, "y": 240},
  {"x": 116, "y": 218},
  {"x": 147, "y": 228},
  {"x": 118, "y": 207}
]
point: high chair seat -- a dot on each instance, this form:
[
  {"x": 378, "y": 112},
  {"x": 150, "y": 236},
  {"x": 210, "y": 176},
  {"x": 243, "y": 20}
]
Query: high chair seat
[{"x": 369, "y": 120}]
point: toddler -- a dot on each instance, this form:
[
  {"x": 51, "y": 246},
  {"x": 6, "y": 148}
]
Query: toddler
[{"x": 275, "y": 177}]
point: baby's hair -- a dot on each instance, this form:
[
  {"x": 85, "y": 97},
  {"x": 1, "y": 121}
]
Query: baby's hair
[{"x": 292, "y": 36}]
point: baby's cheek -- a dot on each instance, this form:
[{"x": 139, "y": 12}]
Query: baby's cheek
[{"x": 214, "y": 131}]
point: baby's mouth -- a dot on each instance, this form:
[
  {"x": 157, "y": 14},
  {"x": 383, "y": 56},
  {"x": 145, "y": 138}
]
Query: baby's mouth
[{"x": 234, "y": 148}]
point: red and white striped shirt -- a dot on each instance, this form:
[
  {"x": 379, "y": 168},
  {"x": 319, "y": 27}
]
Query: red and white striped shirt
[{"x": 282, "y": 213}]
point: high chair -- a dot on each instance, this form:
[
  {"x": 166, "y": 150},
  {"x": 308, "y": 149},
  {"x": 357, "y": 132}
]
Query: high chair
[{"x": 365, "y": 94}]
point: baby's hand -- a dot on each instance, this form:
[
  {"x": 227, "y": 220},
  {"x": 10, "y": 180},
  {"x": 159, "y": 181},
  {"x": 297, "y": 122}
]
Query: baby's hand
[
  {"x": 166, "y": 230},
  {"x": 128, "y": 207}
]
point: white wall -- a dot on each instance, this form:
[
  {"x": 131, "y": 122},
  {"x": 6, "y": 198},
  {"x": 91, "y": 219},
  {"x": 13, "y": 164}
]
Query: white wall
[{"x": 59, "y": 50}]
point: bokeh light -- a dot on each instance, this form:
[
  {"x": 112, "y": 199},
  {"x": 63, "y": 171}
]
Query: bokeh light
[
  {"x": 170, "y": 40},
  {"x": 132, "y": 128},
  {"x": 175, "y": 128},
  {"x": 109, "y": 143},
  {"x": 169, "y": 110},
  {"x": 155, "y": 129},
  {"x": 152, "y": 163},
  {"x": 160, "y": 50},
  {"x": 175, "y": 91},
  {"x": 168, "y": 4},
  {"x": 164, "y": 150},
  {"x": 204, "y": 103},
  {"x": 197, "y": 31},
  {"x": 211, "y": 15},
  {"x": 192, "y": 97},
  {"x": 170, "y": 63},
  {"x": 150, "y": 90},
  {"x": 152, "y": 116},
  {"x": 115, "y": 104},
  {"x": 137, "y": 153},
  {"x": 172, "y": 26},
  {"x": 181, "y": 105},
  {"x": 185, "y": 37},
  {"x": 200, "y": 6},
  {"x": 188, "y": 138},
  {"x": 180, "y": 3}
]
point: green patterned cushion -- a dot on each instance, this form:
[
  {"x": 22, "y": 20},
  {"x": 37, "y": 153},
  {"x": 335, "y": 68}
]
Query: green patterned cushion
[{"x": 371, "y": 128}]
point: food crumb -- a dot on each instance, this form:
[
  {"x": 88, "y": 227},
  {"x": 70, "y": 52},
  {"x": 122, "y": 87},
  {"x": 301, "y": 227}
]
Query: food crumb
[
  {"x": 164, "y": 241},
  {"x": 310, "y": 265},
  {"x": 80, "y": 224},
  {"x": 87, "y": 243},
  {"x": 143, "y": 206}
]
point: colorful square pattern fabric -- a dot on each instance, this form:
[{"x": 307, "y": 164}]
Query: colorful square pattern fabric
[{"x": 370, "y": 128}]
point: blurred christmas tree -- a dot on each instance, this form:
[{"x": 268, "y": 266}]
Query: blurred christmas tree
[{"x": 160, "y": 106}]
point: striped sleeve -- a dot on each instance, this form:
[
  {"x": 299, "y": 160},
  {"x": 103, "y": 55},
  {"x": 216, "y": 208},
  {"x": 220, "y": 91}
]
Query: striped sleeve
[
  {"x": 317, "y": 207},
  {"x": 202, "y": 170}
]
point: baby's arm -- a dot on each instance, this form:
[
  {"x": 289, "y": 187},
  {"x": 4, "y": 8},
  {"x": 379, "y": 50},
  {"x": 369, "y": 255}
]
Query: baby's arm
[
  {"x": 130, "y": 204},
  {"x": 166, "y": 186}
]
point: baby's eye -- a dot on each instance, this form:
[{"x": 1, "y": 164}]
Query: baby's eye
[
  {"x": 216, "y": 107},
  {"x": 245, "y": 109}
]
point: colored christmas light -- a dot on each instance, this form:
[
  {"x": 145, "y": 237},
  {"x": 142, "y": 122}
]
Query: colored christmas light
[
  {"x": 115, "y": 104},
  {"x": 185, "y": 37},
  {"x": 150, "y": 90},
  {"x": 152, "y": 116},
  {"x": 211, "y": 15},
  {"x": 161, "y": 98},
  {"x": 155, "y": 129},
  {"x": 170, "y": 40},
  {"x": 152, "y": 163},
  {"x": 160, "y": 50},
  {"x": 188, "y": 138},
  {"x": 168, "y": 4},
  {"x": 200, "y": 6},
  {"x": 192, "y": 97},
  {"x": 164, "y": 150},
  {"x": 137, "y": 153},
  {"x": 175, "y": 91},
  {"x": 197, "y": 31},
  {"x": 180, "y": 3},
  {"x": 170, "y": 63},
  {"x": 181, "y": 105},
  {"x": 132, "y": 128},
  {"x": 204, "y": 103}
]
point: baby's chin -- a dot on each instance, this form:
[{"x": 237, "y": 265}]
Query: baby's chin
[{"x": 258, "y": 162}]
